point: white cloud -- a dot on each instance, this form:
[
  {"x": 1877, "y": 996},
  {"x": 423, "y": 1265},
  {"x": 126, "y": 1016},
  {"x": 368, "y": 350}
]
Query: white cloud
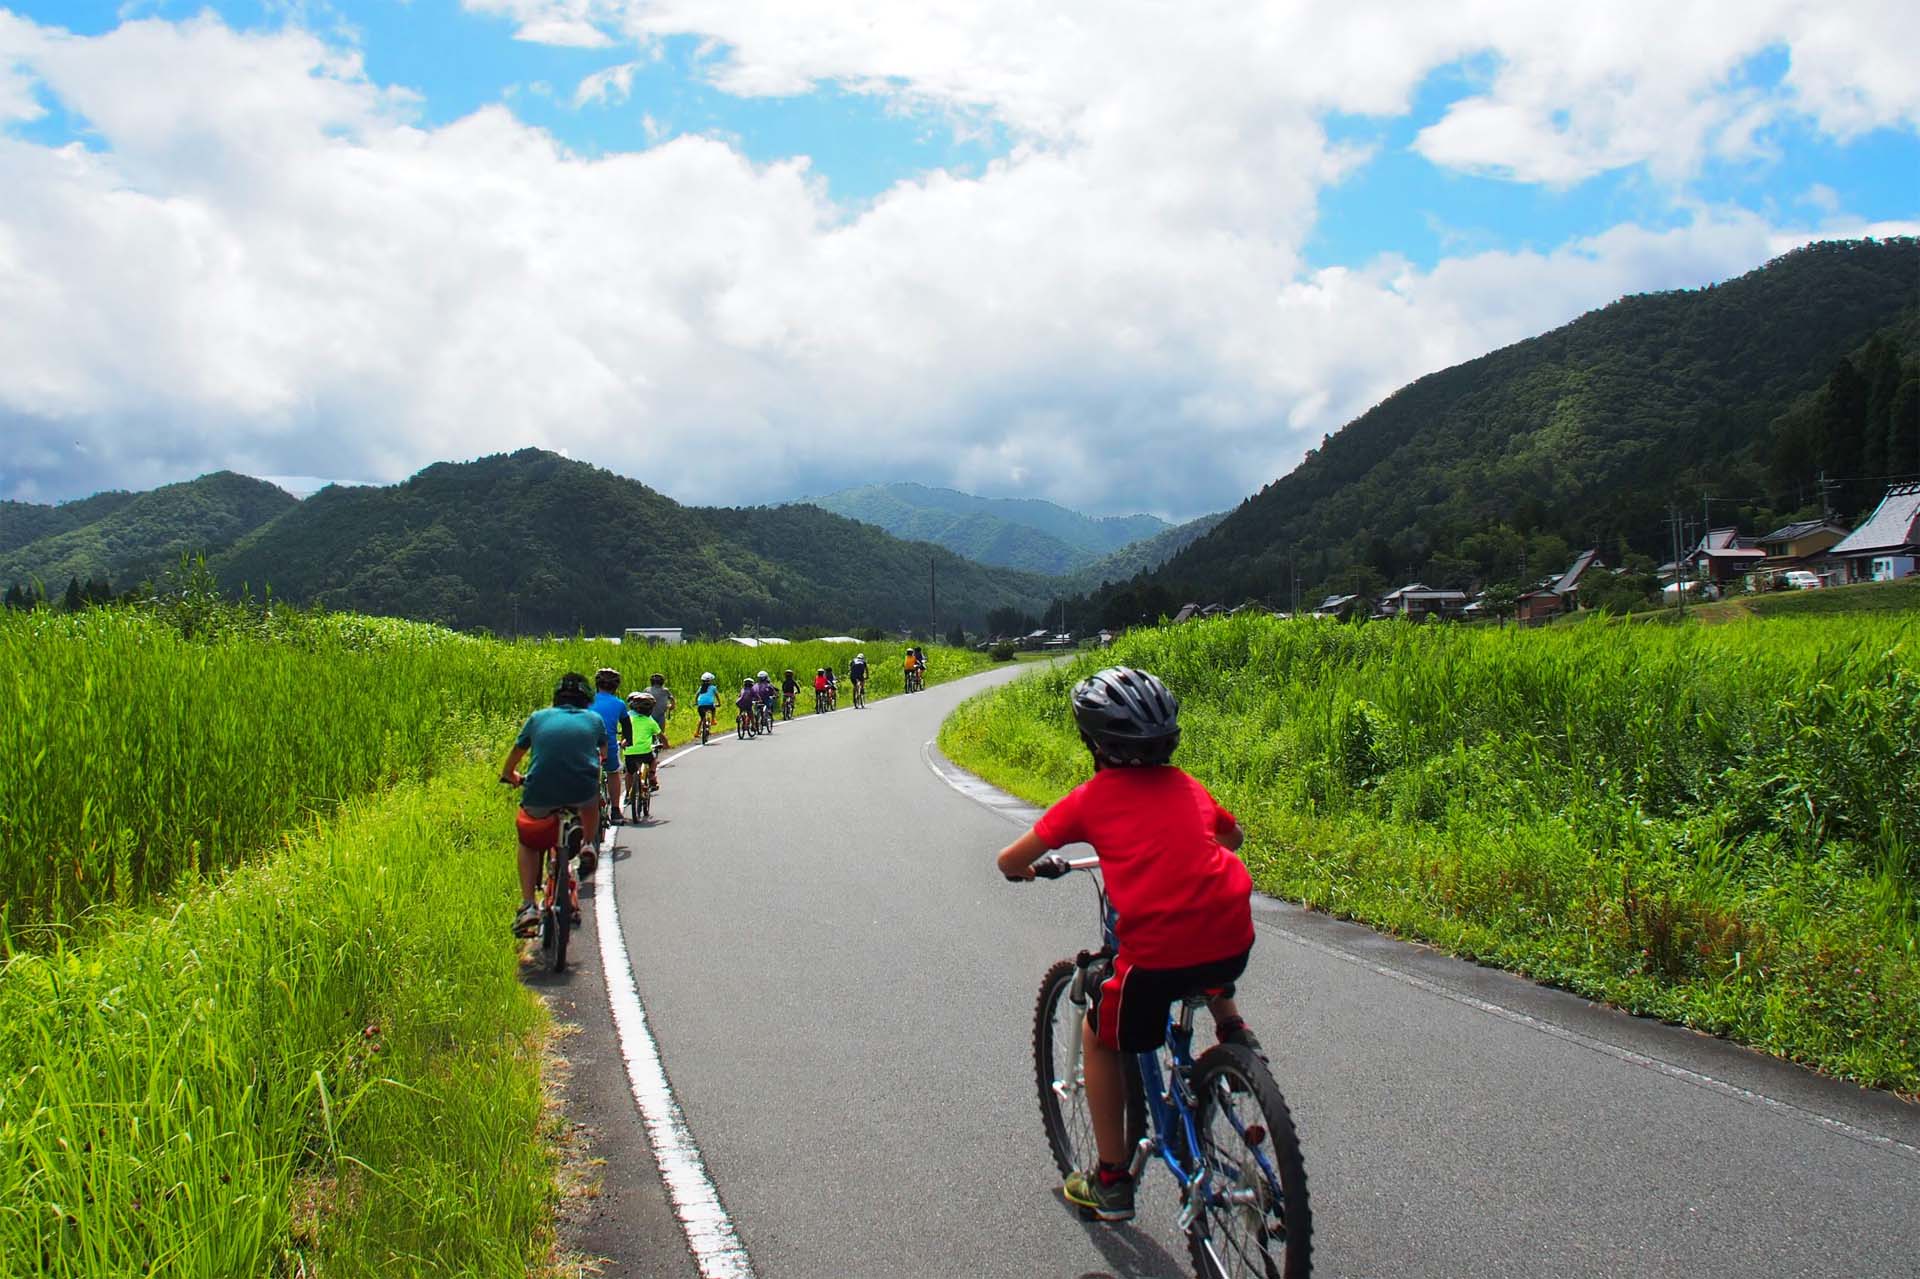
[
  {"x": 273, "y": 265},
  {"x": 607, "y": 88}
]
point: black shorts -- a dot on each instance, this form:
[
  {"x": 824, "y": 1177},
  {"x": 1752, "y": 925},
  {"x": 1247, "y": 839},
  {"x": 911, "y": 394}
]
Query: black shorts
[
  {"x": 1128, "y": 1010},
  {"x": 636, "y": 762}
]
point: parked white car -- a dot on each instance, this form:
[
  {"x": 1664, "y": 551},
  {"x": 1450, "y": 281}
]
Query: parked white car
[{"x": 1800, "y": 579}]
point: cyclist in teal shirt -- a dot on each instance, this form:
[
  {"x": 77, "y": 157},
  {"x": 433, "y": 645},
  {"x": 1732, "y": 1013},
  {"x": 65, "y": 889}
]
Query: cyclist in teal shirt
[{"x": 566, "y": 740}]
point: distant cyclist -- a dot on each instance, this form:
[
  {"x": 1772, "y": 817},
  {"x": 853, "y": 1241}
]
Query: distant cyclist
[
  {"x": 789, "y": 692},
  {"x": 664, "y": 706},
  {"x": 819, "y": 689},
  {"x": 707, "y": 700},
  {"x": 911, "y": 668},
  {"x": 642, "y": 762},
  {"x": 763, "y": 699},
  {"x": 745, "y": 704},
  {"x": 833, "y": 690},
  {"x": 857, "y": 676},
  {"x": 606, "y": 701},
  {"x": 567, "y": 741}
]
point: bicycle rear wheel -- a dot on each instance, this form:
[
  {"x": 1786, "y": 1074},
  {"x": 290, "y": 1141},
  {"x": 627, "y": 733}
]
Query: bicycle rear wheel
[
  {"x": 1258, "y": 1222},
  {"x": 561, "y": 911},
  {"x": 1060, "y": 1073}
]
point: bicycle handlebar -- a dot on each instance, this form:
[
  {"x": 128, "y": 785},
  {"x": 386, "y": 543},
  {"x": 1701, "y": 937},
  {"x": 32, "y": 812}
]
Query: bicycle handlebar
[{"x": 1054, "y": 866}]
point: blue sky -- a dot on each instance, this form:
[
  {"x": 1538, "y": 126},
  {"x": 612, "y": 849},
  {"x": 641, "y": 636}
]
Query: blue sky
[{"x": 349, "y": 240}]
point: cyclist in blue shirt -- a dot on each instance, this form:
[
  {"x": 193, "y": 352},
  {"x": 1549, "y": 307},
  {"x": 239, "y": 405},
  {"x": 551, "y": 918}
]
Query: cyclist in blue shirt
[
  {"x": 707, "y": 700},
  {"x": 608, "y": 706}
]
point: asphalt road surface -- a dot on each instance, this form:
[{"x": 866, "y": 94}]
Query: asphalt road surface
[{"x": 841, "y": 990}]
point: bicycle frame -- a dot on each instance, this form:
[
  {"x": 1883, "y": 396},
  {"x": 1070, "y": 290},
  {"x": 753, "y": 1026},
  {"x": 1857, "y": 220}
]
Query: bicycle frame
[{"x": 1171, "y": 1132}]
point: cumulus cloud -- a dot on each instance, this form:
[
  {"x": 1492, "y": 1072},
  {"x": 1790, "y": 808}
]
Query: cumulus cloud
[{"x": 270, "y": 263}]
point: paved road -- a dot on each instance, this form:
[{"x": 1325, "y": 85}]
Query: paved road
[{"x": 841, "y": 988}]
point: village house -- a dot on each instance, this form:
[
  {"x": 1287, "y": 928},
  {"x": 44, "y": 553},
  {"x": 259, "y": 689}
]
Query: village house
[
  {"x": 1342, "y": 607},
  {"x": 1805, "y": 546},
  {"x": 1724, "y": 556},
  {"x": 1416, "y": 602},
  {"x": 1557, "y": 595},
  {"x": 1887, "y": 545}
]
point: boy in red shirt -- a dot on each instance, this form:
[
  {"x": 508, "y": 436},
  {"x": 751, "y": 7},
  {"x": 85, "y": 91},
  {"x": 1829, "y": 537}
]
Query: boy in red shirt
[{"x": 1185, "y": 918}]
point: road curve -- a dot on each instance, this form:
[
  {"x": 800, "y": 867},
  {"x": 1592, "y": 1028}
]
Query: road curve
[{"x": 841, "y": 989}]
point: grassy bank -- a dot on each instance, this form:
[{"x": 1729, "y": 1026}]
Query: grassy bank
[
  {"x": 149, "y": 755},
  {"x": 325, "y": 1064},
  {"x": 260, "y": 1011},
  {"x": 1705, "y": 824}
]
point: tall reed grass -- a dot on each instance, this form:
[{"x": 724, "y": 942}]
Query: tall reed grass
[
  {"x": 1707, "y": 824},
  {"x": 259, "y": 1009},
  {"x": 326, "y": 1064},
  {"x": 148, "y": 755}
]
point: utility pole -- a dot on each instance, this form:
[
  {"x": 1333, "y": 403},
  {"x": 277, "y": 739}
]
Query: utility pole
[{"x": 933, "y": 597}]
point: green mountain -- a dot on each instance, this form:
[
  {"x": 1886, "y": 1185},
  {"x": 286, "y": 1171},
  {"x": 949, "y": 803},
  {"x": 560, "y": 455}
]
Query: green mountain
[
  {"x": 25, "y": 522},
  {"x": 1023, "y": 533},
  {"x": 532, "y": 542},
  {"x": 1130, "y": 561},
  {"x": 1724, "y": 402},
  {"x": 129, "y": 536}
]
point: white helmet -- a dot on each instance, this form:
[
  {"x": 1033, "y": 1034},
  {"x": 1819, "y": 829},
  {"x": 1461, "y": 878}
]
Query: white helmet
[
  {"x": 859, "y": 657},
  {"x": 761, "y": 675},
  {"x": 707, "y": 676}
]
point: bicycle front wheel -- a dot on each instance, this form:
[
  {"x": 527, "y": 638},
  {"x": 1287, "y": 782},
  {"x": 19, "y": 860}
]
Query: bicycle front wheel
[
  {"x": 1257, "y": 1223},
  {"x": 1060, "y": 1072}
]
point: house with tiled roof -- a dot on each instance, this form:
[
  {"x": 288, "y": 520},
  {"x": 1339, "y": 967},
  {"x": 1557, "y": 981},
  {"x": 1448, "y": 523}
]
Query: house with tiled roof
[
  {"x": 1559, "y": 594},
  {"x": 1724, "y": 556},
  {"x": 1806, "y": 546},
  {"x": 1341, "y": 606},
  {"x": 1887, "y": 544},
  {"x": 1417, "y": 601}
]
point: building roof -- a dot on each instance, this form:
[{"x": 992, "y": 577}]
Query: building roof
[
  {"x": 1409, "y": 589},
  {"x": 1895, "y": 523},
  {"x": 1793, "y": 532},
  {"x": 1333, "y": 602},
  {"x": 1186, "y": 613},
  {"x": 1570, "y": 579}
]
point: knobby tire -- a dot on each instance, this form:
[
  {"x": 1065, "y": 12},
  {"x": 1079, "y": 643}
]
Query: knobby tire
[
  {"x": 1069, "y": 1126},
  {"x": 1234, "y": 1090}
]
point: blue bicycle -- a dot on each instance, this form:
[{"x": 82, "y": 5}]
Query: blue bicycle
[{"x": 1219, "y": 1124}]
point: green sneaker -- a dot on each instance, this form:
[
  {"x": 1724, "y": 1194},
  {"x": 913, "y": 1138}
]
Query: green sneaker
[{"x": 1101, "y": 1202}]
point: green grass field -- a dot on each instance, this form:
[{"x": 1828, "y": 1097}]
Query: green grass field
[
  {"x": 260, "y": 1011},
  {"x": 1706, "y": 824}
]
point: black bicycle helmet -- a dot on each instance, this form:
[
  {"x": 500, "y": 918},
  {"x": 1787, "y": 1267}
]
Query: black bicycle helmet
[
  {"x": 572, "y": 690},
  {"x": 1127, "y": 716},
  {"x": 606, "y": 677}
]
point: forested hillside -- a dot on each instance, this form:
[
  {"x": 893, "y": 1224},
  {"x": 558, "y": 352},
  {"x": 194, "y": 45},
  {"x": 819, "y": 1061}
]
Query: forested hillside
[
  {"x": 24, "y": 522},
  {"x": 532, "y": 542},
  {"x": 124, "y": 537},
  {"x": 1740, "y": 394},
  {"x": 1129, "y": 561},
  {"x": 1023, "y": 533}
]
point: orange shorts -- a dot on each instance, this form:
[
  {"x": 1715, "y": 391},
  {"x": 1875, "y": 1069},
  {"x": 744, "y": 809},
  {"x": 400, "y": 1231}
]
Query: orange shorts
[{"x": 539, "y": 833}]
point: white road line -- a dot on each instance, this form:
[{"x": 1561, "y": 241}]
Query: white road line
[
  {"x": 1014, "y": 809},
  {"x": 717, "y": 1250}
]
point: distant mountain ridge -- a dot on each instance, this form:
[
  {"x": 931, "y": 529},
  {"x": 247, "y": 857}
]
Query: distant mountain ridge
[
  {"x": 1024, "y": 533},
  {"x": 531, "y": 542},
  {"x": 124, "y": 537}
]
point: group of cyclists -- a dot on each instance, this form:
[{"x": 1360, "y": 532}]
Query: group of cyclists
[
  {"x": 760, "y": 702},
  {"x": 592, "y": 749}
]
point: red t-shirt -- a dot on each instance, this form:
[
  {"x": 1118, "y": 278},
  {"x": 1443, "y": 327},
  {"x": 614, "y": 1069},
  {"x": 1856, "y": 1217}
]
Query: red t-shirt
[{"x": 1182, "y": 898}]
